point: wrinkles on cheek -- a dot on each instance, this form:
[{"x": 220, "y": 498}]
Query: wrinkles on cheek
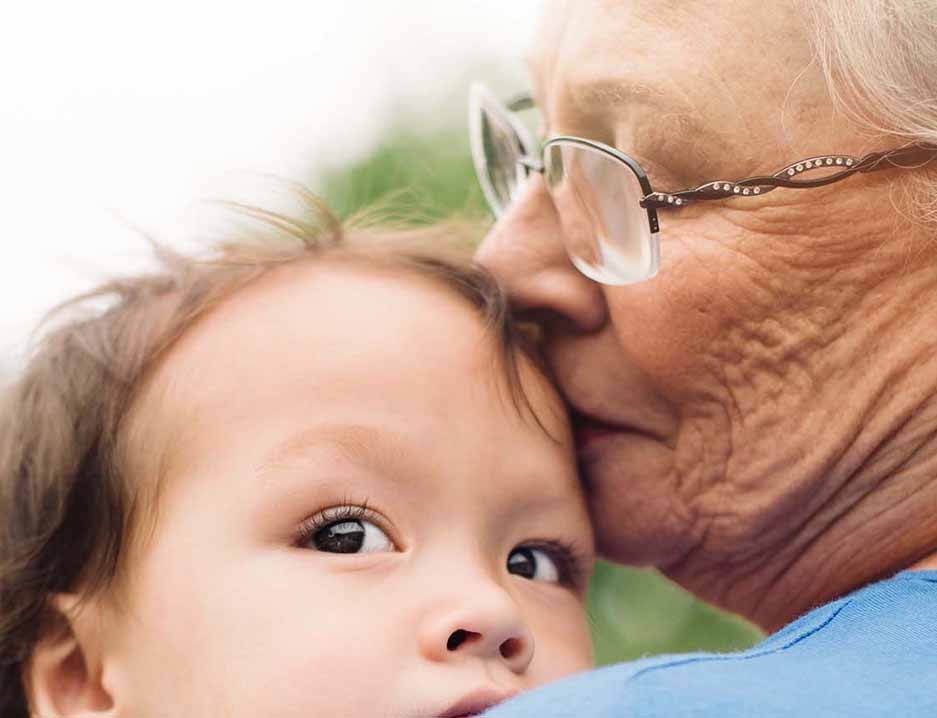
[
  {"x": 740, "y": 328},
  {"x": 723, "y": 270},
  {"x": 733, "y": 360},
  {"x": 745, "y": 425}
]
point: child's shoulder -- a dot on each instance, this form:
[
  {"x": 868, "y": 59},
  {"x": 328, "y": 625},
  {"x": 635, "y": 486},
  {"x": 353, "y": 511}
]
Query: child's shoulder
[{"x": 868, "y": 654}]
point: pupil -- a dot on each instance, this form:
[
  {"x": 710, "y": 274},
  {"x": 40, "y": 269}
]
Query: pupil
[
  {"x": 522, "y": 563},
  {"x": 344, "y": 537}
]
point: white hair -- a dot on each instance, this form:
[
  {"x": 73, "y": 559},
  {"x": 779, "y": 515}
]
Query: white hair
[{"x": 879, "y": 58}]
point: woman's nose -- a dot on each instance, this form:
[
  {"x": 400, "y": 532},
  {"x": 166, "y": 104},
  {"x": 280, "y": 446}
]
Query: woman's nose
[
  {"x": 485, "y": 624},
  {"x": 525, "y": 251}
]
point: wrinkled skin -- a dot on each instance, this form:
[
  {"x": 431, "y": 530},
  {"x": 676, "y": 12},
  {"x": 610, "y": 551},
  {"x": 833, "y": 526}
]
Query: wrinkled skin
[{"x": 772, "y": 389}]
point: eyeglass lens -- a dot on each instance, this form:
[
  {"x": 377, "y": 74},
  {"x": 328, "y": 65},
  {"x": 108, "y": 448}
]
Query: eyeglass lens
[
  {"x": 502, "y": 149},
  {"x": 605, "y": 229},
  {"x": 597, "y": 196}
]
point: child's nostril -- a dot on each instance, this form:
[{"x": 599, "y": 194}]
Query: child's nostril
[
  {"x": 456, "y": 639},
  {"x": 510, "y": 648},
  {"x": 459, "y": 637}
]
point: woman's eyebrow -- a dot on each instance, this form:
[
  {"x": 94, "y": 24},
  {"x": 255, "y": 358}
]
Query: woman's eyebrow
[
  {"x": 602, "y": 93},
  {"x": 670, "y": 110}
]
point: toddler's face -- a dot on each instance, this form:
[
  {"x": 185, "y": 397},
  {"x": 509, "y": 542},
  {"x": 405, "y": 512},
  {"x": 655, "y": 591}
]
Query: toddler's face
[{"x": 354, "y": 519}]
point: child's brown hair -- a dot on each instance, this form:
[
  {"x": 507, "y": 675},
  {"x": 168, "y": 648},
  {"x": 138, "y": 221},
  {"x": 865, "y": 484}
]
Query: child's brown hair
[{"x": 69, "y": 507}]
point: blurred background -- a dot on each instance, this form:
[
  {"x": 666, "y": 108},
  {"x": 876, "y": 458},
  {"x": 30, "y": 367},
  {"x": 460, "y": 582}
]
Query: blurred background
[{"x": 122, "y": 118}]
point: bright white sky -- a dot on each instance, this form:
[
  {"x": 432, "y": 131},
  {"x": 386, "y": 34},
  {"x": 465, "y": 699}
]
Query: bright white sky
[{"x": 127, "y": 114}]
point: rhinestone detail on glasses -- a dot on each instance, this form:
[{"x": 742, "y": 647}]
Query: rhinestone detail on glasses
[
  {"x": 793, "y": 176},
  {"x": 817, "y": 162}
]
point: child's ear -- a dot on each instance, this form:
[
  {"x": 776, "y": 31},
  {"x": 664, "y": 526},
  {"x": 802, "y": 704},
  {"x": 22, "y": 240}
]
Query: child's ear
[{"x": 64, "y": 677}]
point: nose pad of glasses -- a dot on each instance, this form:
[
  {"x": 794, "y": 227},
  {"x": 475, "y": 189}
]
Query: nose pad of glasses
[{"x": 531, "y": 164}]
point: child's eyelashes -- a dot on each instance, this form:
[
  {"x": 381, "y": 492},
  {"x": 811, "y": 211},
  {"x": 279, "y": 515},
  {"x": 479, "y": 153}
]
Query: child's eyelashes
[
  {"x": 356, "y": 529},
  {"x": 534, "y": 563},
  {"x": 550, "y": 560},
  {"x": 344, "y": 529}
]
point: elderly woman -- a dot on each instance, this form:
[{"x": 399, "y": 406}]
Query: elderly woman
[{"x": 730, "y": 239}]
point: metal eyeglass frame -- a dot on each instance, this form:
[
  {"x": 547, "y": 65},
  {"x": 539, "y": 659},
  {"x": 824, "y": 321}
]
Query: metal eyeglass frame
[{"x": 910, "y": 156}]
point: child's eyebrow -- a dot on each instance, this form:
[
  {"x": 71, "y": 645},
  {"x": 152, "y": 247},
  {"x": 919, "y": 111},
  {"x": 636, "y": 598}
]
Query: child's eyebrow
[
  {"x": 374, "y": 448},
  {"x": 388, "y": 454}
]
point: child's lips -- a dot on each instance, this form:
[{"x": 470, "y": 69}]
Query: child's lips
[{"x": 475, "y": 703}]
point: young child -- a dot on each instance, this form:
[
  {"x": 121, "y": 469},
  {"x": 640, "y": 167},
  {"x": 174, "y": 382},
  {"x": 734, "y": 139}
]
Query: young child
[{"x": 315, "y": 476}]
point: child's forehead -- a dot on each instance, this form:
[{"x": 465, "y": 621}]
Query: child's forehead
[
  {"x": 336, "y": 308},
  {"x": 334, "y": 334}
]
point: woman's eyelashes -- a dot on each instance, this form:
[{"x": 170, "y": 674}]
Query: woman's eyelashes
[{"x": 355, "y": 529}]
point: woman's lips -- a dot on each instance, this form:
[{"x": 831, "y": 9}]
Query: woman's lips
[{"x": 590, "y": 433}]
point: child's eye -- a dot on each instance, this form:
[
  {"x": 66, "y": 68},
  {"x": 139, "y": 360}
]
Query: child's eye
[
  {"x": 351, "y": 537},
  {"x": 533, "y": 563},
  {"x": 344, "y": 530},
  {"x": 551, "y": 561}
]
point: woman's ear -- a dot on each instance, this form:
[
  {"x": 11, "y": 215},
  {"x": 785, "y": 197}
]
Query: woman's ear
[{"x": 63, "y": 676}]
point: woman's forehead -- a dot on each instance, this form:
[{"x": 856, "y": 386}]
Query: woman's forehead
[
  {"x": 643, "y": 25},
  {"x": 655, "y": 77}
]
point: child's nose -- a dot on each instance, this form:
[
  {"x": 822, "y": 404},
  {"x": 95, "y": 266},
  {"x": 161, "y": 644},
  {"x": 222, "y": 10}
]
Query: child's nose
[{"x": 484, "y": 624}]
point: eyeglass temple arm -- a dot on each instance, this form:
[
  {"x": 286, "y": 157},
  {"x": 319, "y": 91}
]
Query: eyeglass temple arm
[{"x": 910, "y": 156}]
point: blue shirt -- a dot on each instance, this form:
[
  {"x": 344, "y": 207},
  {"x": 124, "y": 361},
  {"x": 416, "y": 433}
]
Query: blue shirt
[{"x": 871, "y": 653}]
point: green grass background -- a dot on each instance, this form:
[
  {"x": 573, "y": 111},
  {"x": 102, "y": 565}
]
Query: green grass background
[{"x": 429, "y": 175}]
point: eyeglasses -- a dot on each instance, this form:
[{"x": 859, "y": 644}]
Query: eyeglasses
[{"x": 604, "y": 200}]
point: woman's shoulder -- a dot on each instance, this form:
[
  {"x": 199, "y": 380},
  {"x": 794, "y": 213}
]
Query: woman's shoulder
[{"x": 867, "y": 654}]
